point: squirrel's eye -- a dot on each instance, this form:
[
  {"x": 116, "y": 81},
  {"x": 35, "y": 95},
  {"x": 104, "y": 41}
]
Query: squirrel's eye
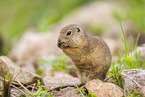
[{"x": 68, "y": 33}]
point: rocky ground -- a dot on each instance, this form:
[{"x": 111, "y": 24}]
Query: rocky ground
[{"x": 24, "y": 58}]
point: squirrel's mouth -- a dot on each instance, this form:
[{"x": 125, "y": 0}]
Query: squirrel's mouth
[{"x": 62, "y": 45}]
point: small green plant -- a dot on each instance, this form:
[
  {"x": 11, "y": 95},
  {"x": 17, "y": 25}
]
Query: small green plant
[
  {"x": 50, "y": 95},
  {"x": 82, "y": 91},
  {"x": 124, "y": 41},
  {"x": 128, "y": 61},
  {"x": 135, "y": 95},
  {"x": 115, "y": 74},
  {"x": 91, "y": 94},
  {"x": 7, "y": 82},
  {"x": 84, "y": 94},
  {"x": 58, "y": 63},
  {"x": 40, "y": 92}
]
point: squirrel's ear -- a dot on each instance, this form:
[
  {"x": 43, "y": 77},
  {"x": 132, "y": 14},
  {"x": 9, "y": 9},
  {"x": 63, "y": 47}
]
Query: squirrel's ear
[{"x": 78, "y": 29}]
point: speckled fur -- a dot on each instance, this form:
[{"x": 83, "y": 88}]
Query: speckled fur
[{"x": 90, "y": 54}]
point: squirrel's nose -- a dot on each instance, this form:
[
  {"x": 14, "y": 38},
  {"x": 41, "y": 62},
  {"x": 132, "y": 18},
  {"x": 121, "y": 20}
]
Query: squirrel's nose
[{"x": 59, "y": 44}]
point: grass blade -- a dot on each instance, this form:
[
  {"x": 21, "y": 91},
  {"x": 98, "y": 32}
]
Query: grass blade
[
  {"x": 137, "y": 40},
  {"x": 124, "y": 40}
]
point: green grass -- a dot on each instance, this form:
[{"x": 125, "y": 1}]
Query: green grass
[
  {"x": 83, "y": 93},
  {"x": 39, "y": 92},
  {"x": 128, "y": 61},
  {"x": 7, "y": 84},
  {"x": 124, "y": 41}
]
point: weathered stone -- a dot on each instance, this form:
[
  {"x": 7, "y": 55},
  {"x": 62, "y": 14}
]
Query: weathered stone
[
  {"x": 9, "y": 69},
  {"x": 61, "y": 75},
  {"x": 33, "y": 45},
  {"x": 66, "y": 92},
  {"x": 104, "y": 89},
  {"x": 60, "y": 80},
  {"x": 134, "y": 80}
]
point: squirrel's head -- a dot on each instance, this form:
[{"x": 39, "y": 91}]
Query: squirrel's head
[{"x": 71, "y": 36}]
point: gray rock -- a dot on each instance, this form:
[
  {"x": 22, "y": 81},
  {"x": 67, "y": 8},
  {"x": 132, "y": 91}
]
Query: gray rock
[
  {"x": 33, "y": 45},
  {"x": 134, "y": 80},
  {"x": 103, "y": 89},
  {"x": 9, "y": 69},
  {"x": 60, "y": 80},
  {"x": 66, "y": 92}
]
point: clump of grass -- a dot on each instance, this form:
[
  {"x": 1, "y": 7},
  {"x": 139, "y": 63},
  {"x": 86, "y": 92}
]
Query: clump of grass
[
  {"x": 40, "y": 92},
  {"x": 83, "y": 93},
  {"x": 128, "y": 61},
  {"x": 6, "y": 85}
]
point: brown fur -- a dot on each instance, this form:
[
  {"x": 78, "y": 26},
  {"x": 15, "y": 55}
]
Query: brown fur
[{"x": 90, "y": 54}]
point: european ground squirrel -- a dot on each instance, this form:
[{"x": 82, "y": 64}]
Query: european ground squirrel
[{"x": 90, "y": 54}]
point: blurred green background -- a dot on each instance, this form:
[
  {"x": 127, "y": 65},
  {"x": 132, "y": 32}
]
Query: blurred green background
[{"x": 16, "y": 16}]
